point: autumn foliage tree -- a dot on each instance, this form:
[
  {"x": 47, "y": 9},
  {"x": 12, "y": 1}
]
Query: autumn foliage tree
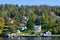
[{"x": 2, "y": 22}]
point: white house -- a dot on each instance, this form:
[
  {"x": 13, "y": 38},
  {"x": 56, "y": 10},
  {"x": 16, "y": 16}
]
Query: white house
[
  {"x": 25, "y": 19},
  {"x": 48, "y": 33},
  {"x": 18, "y": 31},
  {"x": 57, "y": 17},
  {"x": 37, "y": 28},
  {"x": 22, "y": 27}
]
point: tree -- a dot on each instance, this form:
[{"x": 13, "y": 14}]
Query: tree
[
  {"x": 12, "y": 29},
  {"x": 30, "y": 25},
  {"x": 45, "y": 18},
  {"x": 2, "y": 22},
  {"x": 47, "y": 13},
  {"x": 48, "y": 20},
  {"x": 38, "y": 21},
  {"x": 52, "y": 18},
  {"x": 32, "y": 17}
]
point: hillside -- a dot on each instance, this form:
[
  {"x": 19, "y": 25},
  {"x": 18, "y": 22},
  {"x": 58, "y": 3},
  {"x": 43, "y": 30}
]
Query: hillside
[{"x": 46, "y": 16}]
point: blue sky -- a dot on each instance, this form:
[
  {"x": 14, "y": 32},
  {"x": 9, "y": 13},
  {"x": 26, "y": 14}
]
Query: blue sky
[{"x": 31, "y": 2}]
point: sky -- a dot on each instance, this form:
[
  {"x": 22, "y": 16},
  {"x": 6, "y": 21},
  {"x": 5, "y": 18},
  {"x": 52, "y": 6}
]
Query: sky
[{"x": 32, "y": 2}]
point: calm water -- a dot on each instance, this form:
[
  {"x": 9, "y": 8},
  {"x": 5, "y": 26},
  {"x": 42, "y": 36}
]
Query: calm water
[{"x": 31, "y": 38}]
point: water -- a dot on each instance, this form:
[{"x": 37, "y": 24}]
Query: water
[{"x": 30, "y": 38}]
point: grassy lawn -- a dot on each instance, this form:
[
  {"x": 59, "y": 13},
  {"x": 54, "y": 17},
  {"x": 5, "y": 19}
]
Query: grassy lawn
[{"x": 55, "y": 34}]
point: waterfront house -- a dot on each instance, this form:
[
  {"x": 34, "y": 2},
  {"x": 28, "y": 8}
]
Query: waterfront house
[
  {"x": 18, "y": 31},
  {"x": 48, "y": 33},
  {"x": 57, "y": 17},
  {"x": 37, "y": 28},
  {"x": 22, "y": 27}
]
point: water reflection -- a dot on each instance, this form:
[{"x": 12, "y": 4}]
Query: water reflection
[{"x": 30, "y": 38}]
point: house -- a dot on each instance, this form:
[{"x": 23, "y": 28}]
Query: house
[
  {"x": 18, "y": 31},
  {"x": 57, "y": 17},
  {"x": 22, "y": 27},
  {"x": 37, "y": 28},
  {"x": 10, "y": 20},
  {"x": 48, "y": 33},
  {"x": 25, "y": 19}
]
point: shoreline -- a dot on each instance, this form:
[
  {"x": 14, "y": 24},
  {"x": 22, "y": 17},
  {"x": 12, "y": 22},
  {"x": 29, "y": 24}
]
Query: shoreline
[
  {"x": 35, "y": 36},
  {"x": 30, "y": 35}
]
